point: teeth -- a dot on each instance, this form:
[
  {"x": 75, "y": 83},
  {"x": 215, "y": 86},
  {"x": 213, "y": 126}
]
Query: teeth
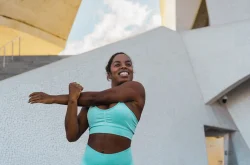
[{"x": 124, "y": 73}]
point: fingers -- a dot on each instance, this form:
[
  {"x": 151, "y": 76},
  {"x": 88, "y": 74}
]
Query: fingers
[
  {"x": 35, "y": 97},
  {"x": 34, "y": 93},
  {"x": 77, "y": 85},
  {"x": 35, "y": 101}
]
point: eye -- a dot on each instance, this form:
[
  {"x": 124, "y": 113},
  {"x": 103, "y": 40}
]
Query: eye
[
  {"x": 129, "y": 64},
  {"x": 117, "y": 65}
]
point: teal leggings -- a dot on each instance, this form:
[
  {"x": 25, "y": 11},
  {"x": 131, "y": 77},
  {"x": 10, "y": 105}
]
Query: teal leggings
[{"x": 93, "y": 157}]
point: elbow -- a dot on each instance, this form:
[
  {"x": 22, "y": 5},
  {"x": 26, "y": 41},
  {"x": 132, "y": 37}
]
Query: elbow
[{"x": 71, "y": 138}]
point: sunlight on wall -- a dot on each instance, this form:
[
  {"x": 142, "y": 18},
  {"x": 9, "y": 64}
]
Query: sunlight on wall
[
  {"x": 29, "y": 45},
  {"x": 163, "y": 12},
  {"x": 168, "y": 13}
]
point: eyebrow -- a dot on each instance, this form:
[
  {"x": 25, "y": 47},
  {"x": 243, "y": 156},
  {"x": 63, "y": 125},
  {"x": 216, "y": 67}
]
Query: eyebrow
[{"x": 125, "y": 61}]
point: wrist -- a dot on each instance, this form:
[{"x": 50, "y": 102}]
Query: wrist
[
  {"x": 73, "y": 97},
  {"x": 72, "y": 100},
  {"x": 53, "y": 99}
]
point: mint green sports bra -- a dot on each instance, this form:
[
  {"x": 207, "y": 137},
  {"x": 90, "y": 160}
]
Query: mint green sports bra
[{"x": 118, "y": 120}]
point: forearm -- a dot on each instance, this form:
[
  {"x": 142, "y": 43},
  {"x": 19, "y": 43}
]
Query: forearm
[
  {"x": 86, "y": 99},
  {"x": 60, "y": 99},
  {"x": 71, "y": 121}
]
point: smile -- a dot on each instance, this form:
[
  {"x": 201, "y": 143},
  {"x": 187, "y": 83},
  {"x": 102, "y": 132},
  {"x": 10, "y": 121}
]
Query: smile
[{"x": 124, "y": 73}]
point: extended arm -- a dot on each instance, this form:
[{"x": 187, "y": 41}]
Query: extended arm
[{"x": 129, "y": 91}]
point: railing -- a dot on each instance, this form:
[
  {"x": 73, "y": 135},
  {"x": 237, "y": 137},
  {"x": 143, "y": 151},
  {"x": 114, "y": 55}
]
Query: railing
[{"x": 12, "y": 49}]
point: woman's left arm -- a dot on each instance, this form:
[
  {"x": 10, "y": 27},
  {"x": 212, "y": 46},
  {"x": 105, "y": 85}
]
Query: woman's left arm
[{"x": 126, "y": 92}]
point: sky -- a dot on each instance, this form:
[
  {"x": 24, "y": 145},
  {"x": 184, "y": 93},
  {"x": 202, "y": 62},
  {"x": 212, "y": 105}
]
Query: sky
[{"x": 101, "y": 22}]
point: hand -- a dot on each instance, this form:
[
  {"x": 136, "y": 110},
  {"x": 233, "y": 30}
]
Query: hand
[
  {"x": 40, "y": 97},
  {"x": 74, "y": 91}
]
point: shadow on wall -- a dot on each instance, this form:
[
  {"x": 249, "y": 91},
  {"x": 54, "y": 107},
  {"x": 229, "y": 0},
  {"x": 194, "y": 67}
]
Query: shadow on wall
[
  {"x": 202, "y": 18},
  {"x": 239, "y": 152}
]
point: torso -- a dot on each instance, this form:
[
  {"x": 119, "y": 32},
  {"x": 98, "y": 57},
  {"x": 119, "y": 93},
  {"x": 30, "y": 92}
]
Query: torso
[{"x": 109, "y": 143}]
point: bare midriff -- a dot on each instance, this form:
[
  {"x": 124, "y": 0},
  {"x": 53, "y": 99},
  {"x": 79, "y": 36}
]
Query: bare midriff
[{"x": 108, "y": 143}]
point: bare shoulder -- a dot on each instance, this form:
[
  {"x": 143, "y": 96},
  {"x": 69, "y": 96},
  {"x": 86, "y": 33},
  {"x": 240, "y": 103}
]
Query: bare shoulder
[
  {"x": 139, "y": 90},
  {"x": 136, "y": 86}
]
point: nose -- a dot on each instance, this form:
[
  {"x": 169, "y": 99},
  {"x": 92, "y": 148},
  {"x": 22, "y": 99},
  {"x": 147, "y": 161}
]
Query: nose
[{"x": 123, "y": 66}]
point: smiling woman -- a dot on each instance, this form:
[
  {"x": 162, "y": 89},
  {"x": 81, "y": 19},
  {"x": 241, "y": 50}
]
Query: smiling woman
[
  {"x": 111, "y": 115},
  {"x": 124, "y": 73}
]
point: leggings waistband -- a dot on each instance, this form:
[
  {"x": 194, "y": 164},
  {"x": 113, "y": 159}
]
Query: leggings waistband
[{"x": 93, "y": 157}]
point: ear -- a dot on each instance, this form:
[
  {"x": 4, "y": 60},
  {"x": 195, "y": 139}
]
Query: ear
[{"x": 109, "y": 76}]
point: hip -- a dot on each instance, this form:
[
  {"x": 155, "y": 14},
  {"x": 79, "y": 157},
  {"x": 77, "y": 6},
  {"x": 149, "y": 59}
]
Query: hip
[{"x": 93, "y": 157}]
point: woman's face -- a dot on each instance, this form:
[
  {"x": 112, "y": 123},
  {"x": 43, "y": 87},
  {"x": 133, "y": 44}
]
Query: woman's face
[{"x": 121, "y": 69}]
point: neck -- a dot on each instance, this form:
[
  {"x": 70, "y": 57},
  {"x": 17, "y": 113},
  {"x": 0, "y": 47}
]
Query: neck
[{"x": 113, "y": 84}]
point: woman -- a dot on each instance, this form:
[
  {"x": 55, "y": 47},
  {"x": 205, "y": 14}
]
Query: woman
[{"x": 111, "y": 115}]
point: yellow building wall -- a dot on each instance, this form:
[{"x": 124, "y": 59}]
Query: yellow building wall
[
  {"x": 29, "y": 45},
  {"x": 163, "y": 12},
  {"x": 168, "y": 13},
  {"x": 215, "y": 150}
]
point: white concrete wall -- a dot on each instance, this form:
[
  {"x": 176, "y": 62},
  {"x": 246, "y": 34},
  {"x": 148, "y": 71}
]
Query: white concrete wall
[
  {"x": 239, "y": 151},
  {"x": 171, "y": 130},
  {"x": 239, "y": 108},
  {"x": 217, "y": 115},
  {"x": 227, "y": 11},
  {"x": 220, "y": 57},
  {"x": 34, "y": 134},
  {"x": 186, "y": 11}
]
